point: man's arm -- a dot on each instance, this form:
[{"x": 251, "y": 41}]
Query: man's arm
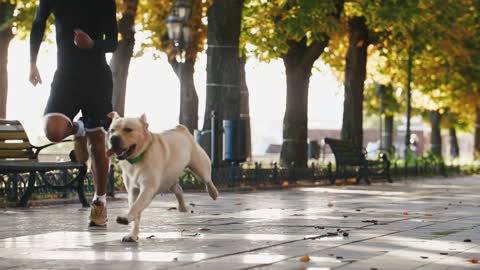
[
  {"x": 38, "y": 28},
  {"x": 109, "y": 28}
]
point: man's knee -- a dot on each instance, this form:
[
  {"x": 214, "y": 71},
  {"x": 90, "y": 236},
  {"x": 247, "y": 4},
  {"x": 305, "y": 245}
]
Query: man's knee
[{"x": 56, "y": 128}]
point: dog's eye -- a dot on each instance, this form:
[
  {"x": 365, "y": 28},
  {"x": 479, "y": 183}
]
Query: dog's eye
[{"x": 127, "y": 130}]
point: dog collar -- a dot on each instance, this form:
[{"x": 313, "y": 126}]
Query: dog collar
[
  {"x": 139, "y": 157},
  {"x": 136, "y": 159}
]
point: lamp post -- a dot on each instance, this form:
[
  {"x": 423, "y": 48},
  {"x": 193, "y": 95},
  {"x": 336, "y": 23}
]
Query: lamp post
[
  {"x": 381, "y": 94},
  {"x": 179, "y": 32},
  {"x": 180, "y": 36},
  {"x": 408, "y": 100}
]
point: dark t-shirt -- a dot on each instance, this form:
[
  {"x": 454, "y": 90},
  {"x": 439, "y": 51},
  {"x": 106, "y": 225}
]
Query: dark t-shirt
[{"x": 95, "y": 17}]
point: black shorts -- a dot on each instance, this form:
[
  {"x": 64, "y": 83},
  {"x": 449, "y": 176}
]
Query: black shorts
[{"x": 89, "y": 91}]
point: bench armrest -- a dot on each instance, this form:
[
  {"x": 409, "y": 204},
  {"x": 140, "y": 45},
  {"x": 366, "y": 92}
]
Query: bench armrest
[{"x": 40, "y": 148}]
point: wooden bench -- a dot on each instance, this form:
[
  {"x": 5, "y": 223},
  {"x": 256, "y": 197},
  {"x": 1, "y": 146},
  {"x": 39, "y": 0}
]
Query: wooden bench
[
  {"x": 19, "y": 161},
  {"x": 351, "y": 161}
]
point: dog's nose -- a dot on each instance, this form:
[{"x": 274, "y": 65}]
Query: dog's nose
[{"x": 115, "y": 141}]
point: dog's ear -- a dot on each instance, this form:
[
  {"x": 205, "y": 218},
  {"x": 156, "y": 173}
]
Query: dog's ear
[
  {"x": 113, "y": 115},
  {"x": 143, "y": 119}
]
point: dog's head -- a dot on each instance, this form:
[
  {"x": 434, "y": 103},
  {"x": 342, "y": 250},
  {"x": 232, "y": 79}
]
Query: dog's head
[{"x": 127, "y": 136}]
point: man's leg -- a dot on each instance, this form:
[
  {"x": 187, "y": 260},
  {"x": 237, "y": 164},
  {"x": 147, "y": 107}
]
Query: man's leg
[
  {"x": 99, "y": 165},
  {"x": 98, "y": 152}
]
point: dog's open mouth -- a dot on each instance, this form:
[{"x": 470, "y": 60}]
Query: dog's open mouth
[{"x": 123, "y": 153}]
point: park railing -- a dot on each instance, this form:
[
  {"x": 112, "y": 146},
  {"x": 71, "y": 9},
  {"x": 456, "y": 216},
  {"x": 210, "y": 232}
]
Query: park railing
[{"x": 233, "y": 176}]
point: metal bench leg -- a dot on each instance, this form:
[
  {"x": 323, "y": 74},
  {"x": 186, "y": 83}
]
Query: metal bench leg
[
  {"x": 80, "y": 182},
  {"x": 28, "y": 191},
  {"x": 365, "y": 175}
]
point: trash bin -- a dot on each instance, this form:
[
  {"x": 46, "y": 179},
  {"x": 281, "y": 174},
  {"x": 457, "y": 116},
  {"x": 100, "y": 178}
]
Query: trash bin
[{"x": 234, "y": 140}]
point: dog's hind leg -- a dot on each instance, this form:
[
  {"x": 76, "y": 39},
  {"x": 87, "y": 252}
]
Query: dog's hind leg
[
  {"x": 201, "y": 167},
  {"x": 177, "y": 189}
]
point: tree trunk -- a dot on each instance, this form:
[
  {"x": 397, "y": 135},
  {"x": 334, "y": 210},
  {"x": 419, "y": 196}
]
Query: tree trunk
[
  {"x": 223, "y": 65},
  {"x": 244, "y": 107},
  {"x": 355, "y": 72},
  {"x": 188, "y": 94},
  {"x": 388, "y": 135},
  {"x": 298, "y": 66},
  {"x": 121, "y": 57},
  {"x": 436, "y": 138},
  {"x": 476, "y": 150},
  {"x": 6, "y": 35},
  {"x": 454, "y": 149}
]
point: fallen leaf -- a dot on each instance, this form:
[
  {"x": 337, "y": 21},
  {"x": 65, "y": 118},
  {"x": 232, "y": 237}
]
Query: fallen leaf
[
  {"x": 428, "y": 214},
  {"x": 472, "y": 260},
  {"x": 345, "y": 216},
  {"x": 151, "y": 236},
  {"x": 358, "y": 210},
  {"x": 339, "y": 257},
  {"x": 330, "y": 204},
  {"x": 424, "y": 257},
  {"x": 203, "y": 229},
  {"x": 190, "y": 234},
  {"x": 285, "y": 184},
  {"x": 172, "y": 208},
  {"x": 319, "y": 227},
  {"x": 305, "y": 258},
  {"x": 443, "y": 253},
  {"x": 374, "y": 221},
  {"x": 405, "y": 213}
]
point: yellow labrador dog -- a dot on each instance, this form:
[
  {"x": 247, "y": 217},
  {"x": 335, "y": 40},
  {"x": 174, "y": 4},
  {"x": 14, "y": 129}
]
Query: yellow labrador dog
[{"x": 151, "y": 164}]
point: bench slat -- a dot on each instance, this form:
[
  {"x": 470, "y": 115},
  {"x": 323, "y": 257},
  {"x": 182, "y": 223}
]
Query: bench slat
[
  {"x": 11, "y": 129},
  {"x": 13, "y": 136},
  {"x": 9, "y": 122},
  {"x": 8, "y": 145},
  {"x": 4, "y": 154}
]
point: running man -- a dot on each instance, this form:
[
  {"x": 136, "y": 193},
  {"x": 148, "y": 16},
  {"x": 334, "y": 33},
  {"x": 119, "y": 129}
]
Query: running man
[{"x": 85, "y": 31}]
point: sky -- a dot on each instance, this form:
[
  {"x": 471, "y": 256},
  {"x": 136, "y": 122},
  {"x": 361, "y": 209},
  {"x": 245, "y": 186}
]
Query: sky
[{"x": 153, "y": 89}]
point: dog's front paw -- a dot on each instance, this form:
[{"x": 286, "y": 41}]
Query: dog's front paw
[
  {"x": 182, "y": 208},
  {"x": 122, "y": 220},
  {"x": 130, "y": 238}
]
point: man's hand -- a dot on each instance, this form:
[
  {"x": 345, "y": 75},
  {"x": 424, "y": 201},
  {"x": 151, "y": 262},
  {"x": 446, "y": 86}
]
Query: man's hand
[
  {"x": 35, "y": 75},
  {"x": 82, "y": 40}
]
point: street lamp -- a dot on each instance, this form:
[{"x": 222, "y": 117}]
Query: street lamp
[
  {"x": 178, "y": 30},
  {"x": 381, "y": 94}
]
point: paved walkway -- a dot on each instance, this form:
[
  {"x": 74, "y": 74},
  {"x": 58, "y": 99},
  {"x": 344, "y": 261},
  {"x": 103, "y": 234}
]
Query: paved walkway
[{"x": 428, "y": 224}]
